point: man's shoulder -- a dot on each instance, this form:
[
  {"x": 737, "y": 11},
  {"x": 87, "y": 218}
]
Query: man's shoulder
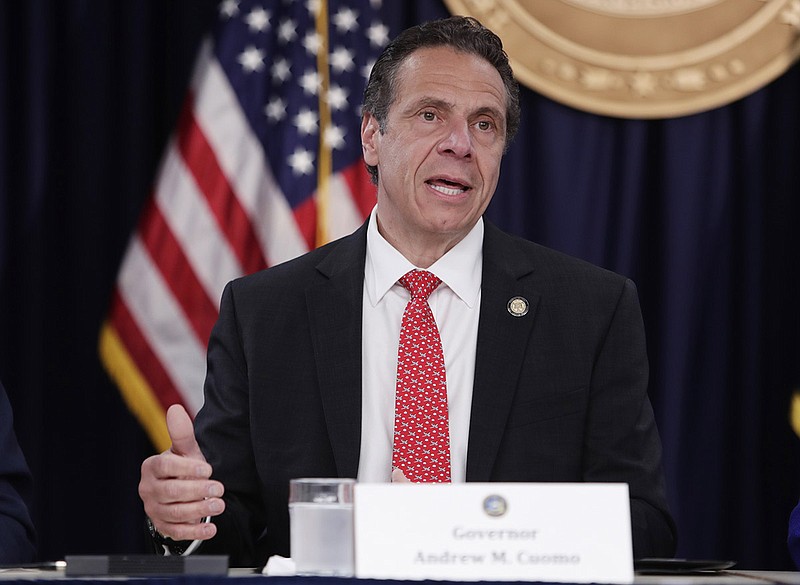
[
  {"x": 547, "y": 262},
  {"x": 340, "y": 254}
]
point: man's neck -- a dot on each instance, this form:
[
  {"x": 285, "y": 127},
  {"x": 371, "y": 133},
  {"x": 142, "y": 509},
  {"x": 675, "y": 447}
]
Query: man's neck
[{"x": 421, "y": 250}]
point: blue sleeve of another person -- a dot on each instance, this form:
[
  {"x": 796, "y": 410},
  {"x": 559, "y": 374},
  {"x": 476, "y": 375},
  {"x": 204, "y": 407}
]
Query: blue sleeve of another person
[
  {"x": 794, "y": 535},
  {"x": 17, "y": 535}
]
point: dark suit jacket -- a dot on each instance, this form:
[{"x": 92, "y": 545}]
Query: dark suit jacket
[
  {"x": 559, "y": 394},
  {"x": 17, "y": 536}
]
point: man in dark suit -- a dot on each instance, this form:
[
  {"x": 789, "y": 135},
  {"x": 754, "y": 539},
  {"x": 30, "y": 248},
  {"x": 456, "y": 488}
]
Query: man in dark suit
[
  {"x": 17, "y": 536},
  {"x": 545, "y": 355}
]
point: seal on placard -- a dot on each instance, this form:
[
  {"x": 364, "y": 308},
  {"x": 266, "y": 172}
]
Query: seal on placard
[
  {"x": 643, "y": 58},
  {"x": 495, "y": 505}
]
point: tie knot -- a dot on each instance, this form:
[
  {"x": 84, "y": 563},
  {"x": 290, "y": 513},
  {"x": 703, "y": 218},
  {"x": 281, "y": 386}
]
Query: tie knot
[{"x": 420, "y": 283}]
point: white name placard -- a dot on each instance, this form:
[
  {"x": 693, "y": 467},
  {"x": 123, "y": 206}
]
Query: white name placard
[{"x": 558, "y": 532}]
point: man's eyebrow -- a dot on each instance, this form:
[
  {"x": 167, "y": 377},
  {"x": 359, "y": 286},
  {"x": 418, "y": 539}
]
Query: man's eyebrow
[
  {"x": 429, "y": 101},
  {"x": 441, "y": 104},
  {"x": 491, "y": 112}
]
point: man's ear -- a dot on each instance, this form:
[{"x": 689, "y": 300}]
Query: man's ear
[{"x": 370, "y": 130}]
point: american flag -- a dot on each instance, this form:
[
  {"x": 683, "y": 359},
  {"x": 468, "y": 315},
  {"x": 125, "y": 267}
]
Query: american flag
[{"x": 265, "y": 164}]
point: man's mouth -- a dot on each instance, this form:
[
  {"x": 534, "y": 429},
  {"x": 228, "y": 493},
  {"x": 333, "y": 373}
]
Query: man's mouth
[{"x": 448, "y": 187}]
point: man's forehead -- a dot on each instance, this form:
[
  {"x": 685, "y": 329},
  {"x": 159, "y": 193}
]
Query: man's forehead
[
  {"x": 431, "y": 56},
  {"x": 429, "y": 71}
]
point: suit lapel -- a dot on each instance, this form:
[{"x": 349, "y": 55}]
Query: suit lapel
[
  {"x": 335, "y": 307},
  {"x": 502, "y": 344}
]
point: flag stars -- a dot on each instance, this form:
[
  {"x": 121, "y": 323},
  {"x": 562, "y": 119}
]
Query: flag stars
[
  {"x": 275, "y": 109},
  {"x": 280, "y": 44},
  {"x": 342, "y": 60},
  {"x": 307, "y": 122},
  {"x": 334, "y": 137},
  {"x": 301, "y": 161},
  {"x": 312, "y": 43},
  {"x": 310, "y": 82},
  {"x": 313, "y": 7},
  {"x": 287, "y": 31},
  {"x": 229, "y": 8},
  {"x": 378, "y": 34},
  {"x": 257, "y": 20},
  {"x": 345, "y": 20},
  {"x": 251, "y": 59},
  {"x": 337, "y": 98},
  {"x": 280, "y": 70}
]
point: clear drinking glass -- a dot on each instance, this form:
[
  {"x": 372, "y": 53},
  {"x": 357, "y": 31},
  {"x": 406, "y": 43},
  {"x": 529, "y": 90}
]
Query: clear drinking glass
[{"x": 321, "y": 526}]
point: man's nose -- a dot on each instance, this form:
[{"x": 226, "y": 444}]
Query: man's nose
[{"x": 457, "y": 140}]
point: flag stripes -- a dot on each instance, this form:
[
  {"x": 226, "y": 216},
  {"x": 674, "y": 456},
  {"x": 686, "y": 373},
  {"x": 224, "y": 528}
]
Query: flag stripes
[
  {"x": 233, "y": 194},
  {"x": 213, "y": 184},
  {"x": 165, "y": 251}
]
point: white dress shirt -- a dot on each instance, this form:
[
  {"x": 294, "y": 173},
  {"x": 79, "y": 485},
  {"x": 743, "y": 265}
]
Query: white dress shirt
[{"x": 455, "y": 305}]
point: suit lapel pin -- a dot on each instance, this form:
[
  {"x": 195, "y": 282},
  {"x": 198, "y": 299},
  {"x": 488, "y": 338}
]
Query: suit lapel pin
[{"x": 518, "y": 307}]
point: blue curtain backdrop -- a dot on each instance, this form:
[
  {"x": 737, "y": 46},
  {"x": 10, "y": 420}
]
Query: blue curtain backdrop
[{"x": 701, "y": 211}]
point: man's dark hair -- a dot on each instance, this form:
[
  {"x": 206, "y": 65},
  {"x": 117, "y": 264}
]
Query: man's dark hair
[{"x": 461, "y": 33}]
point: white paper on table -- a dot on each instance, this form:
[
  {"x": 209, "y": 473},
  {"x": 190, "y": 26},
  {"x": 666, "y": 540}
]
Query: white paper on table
[{"x": 557, "y": 532}]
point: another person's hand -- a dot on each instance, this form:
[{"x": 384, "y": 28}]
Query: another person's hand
[{"x": 175, "y": 485}]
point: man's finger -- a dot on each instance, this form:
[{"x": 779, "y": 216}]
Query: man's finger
[
  {"x": 181, "y": 432},
  {"x": 170, "y": 466},
  {"x": 185, "y": 512},
  {"x": 196, "y": 531}
]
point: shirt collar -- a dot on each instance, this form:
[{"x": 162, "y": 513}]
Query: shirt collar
[{"x": 460, "y": 268}]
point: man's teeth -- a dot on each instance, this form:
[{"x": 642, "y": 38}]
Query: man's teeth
[{"x": 447, "y": 190}]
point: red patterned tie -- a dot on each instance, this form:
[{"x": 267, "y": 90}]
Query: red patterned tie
[{"x": 421, "y": 430}]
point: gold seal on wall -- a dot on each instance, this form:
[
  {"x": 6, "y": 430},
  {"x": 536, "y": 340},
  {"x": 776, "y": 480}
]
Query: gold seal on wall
[{"x": 643, "y": 58}]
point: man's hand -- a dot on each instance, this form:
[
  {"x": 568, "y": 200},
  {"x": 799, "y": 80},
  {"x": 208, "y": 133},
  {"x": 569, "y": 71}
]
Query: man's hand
[{"x": 176, "y": 487}]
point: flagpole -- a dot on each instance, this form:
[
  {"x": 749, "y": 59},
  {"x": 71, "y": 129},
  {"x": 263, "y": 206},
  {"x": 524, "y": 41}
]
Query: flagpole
[{"x": 325, "y": 167}]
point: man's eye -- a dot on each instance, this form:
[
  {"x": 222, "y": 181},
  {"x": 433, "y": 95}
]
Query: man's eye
[
  {"x": 428, "y": 116},
  {"x": 485, "y": 125}
]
